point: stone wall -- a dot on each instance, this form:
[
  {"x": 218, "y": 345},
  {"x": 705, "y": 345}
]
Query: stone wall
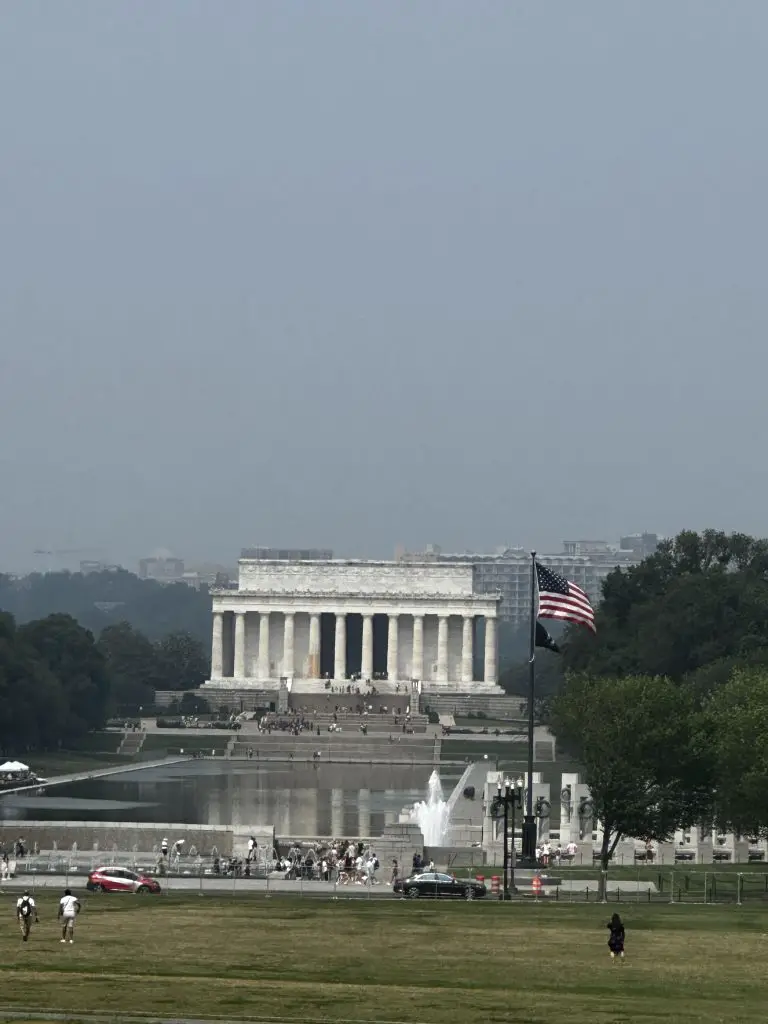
[
  {"x": 398, "y": 842},
  {"x": 125, "y": 837},
  {"x": 448, "y": 858}
]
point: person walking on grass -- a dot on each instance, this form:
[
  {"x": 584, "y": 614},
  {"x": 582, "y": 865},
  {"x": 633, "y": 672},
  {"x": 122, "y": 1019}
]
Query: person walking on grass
[
  {"x": 616, "y": 938},
  {"x": 69, "y": 908},
  {"x": 26, "y": 910}
]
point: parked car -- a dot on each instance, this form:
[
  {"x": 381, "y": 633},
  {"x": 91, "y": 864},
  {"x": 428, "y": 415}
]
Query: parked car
[
  {"x": 114, "y": 879},
  {"x": 435, "y": 885}
]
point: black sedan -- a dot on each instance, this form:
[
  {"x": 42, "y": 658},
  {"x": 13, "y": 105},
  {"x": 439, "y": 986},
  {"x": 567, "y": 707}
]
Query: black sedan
[{"x": 434, "y": 885}]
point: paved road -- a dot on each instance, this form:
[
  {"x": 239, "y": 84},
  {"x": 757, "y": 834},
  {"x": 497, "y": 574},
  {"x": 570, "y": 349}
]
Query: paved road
[{"x": 210, "y": 885}]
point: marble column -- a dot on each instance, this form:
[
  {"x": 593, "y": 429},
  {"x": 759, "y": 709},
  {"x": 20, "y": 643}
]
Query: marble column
[
  {"x": 442, "y": 649},
  {"x": 314, "y": 646},
  {"x": 367, "y": 661},
  {"x": 340, "y": 647},
  {"x": 417, "y": 665},
  {"x": 239, "y": 672},
  {"x": 264, "y": 645},
  {"x": 288, "y": 667},
  {"x": 364, "y": 814},
  {"x": 337, "y": 813},
  {"x": 217, "y": 646},
  {"x": 489, "y": 674},
  {"x": 466, "y": 650},
  {"x": 392, "y": 644},
  {"x": 390, "y": 816}
]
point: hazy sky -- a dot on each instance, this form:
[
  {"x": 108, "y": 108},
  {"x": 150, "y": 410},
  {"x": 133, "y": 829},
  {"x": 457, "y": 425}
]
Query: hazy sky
[{"x": 359, "y": 273}]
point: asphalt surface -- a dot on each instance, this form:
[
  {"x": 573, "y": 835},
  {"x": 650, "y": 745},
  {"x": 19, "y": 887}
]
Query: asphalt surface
[
  {"x": 211, "y": 885},
  {"x": 208, "y": 884}
]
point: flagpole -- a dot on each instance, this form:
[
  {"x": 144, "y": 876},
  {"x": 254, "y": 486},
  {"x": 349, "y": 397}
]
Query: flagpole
[{"x": 529, "y": 824}]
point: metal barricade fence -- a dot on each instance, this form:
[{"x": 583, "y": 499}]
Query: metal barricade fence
[{"x": 642, "y": 885}]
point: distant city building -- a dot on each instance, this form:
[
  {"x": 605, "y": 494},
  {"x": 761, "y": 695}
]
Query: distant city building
[
  {"x": 640, "y": 544},
  {"x": 508, "y": 570},
  {"x": 208, "y": 574},
  {"x": 88, "y": 567},
  {"x": 287, "y": 554},
  {"x": 162, "y": 568}
]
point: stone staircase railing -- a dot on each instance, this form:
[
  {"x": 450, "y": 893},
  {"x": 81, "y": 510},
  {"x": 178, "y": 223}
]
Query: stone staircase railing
[{"x": 132, "y": 743}]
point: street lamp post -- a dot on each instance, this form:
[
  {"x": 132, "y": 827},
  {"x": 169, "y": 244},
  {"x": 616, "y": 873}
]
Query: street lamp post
[
  {"x": 508, "y": 798},
  {"x": 506, "y": 836}
]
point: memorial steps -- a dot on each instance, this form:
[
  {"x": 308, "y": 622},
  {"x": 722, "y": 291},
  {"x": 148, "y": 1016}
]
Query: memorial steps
[
  {"x": 314, "y": 695},
  {"x": 338, "y": 747},
  {"x": 464, "y": 704}
]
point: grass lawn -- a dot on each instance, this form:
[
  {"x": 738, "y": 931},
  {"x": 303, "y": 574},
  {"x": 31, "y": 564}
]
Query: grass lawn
[
  {"x": 66, "y": 762},
  {"x": 312, "y": 961},
  {"x": 158, "y": 744}
]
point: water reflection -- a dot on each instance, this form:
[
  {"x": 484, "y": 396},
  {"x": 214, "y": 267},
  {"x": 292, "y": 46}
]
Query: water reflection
[{"x": 298, "y": 799}]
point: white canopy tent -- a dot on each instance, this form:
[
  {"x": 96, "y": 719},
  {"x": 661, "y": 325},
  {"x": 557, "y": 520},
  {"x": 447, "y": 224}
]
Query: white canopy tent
[{"x": 14, "y": 766}]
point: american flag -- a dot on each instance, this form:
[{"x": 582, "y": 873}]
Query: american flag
[{"x": 560, "y": 599}]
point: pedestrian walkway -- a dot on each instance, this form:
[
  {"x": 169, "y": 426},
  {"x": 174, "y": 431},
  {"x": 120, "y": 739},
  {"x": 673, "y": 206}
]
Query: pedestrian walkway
[{"x": 96, "y": 773}]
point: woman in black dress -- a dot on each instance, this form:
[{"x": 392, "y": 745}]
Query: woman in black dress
[{"x": 616, "y": 938}]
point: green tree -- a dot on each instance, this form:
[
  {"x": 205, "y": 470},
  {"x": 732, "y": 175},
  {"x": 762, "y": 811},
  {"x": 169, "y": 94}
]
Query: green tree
[
  {"x": 182, "y": 662},
  {"x": 32, "y": 700},
  {"x": 736, "y": 733},
  {"x": 70, "y": 654},
  {"x": 131, "y": 663},
  {"x": 637, "y": 740},
  {"x": 699, "y": 601},
  {"x": 102, "y": 599}
]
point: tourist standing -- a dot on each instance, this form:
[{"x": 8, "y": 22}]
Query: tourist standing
[
  {"x": 26, "y": 910},
  {"x": 616, "y": 938},
  {"x": 394, "y": 872},
  {"x": 69, "y": 908}
]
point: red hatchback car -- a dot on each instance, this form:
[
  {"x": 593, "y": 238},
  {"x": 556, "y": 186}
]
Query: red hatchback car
[{"x": 114, "y": 879}]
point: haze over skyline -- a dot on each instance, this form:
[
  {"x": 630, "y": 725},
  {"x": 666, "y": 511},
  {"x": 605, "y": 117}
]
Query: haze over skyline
[{"x": 350, "y": 274}]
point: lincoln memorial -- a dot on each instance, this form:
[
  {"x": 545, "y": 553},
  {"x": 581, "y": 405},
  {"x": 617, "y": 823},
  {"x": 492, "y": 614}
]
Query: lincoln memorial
[{"x": 340, "y": 620}]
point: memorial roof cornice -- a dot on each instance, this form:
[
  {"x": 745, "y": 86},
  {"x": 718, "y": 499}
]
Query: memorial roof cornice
[{"x": 387, "y": 595}]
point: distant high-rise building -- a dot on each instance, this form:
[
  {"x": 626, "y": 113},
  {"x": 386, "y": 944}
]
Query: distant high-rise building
[
  {"x": 88, "y": 566},
  {"x": 640, "y": 544},
  {"x": 162, "y": 568},
  {"x": 288, "y": 554},
  {"x": 508, "y": 570}
]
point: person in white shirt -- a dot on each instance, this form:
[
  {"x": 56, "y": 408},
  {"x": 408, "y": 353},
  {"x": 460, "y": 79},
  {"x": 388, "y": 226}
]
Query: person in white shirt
[
  {"x": 26, "y": 910},
  {"x": 69, "y": 908}
]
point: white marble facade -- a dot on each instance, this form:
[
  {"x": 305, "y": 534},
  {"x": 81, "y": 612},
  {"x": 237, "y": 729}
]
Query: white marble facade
[{"x": 344, "y": 619}]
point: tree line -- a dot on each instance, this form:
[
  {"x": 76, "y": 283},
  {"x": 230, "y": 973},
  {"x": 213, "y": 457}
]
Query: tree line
[
  {"x": 100, "y": 599},
  {"x": 58, "y": 681},
  {"x": 666, "y": 707}
]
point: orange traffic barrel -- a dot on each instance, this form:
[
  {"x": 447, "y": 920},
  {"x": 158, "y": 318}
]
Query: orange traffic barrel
[
  {"x": 495, "y": 885},
  {"x": 479, "y": 878},
  {"x": 536, "y": 885}
]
